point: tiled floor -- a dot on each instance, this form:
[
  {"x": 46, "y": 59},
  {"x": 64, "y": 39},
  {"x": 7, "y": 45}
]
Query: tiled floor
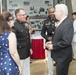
[{"x": 39, "y": 67}]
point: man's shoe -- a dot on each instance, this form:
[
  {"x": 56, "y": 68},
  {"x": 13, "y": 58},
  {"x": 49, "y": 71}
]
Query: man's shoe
[
  {"x": 74, "y": 59},
  {"x": 30, "y": 62},
  {"x": 54, "y": 63}
]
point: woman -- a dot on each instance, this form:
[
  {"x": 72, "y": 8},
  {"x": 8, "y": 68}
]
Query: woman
[
  {"x": 9, "y": 18},
  {"x": 31, "y": 29},
  {"x": 9, "y": 58}
]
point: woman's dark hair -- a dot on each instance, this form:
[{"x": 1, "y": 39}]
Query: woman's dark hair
[
  {"x": 7, "y": 16},
  {"x": 3, "y": 25}
]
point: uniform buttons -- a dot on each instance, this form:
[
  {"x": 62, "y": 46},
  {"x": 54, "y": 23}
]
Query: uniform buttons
[
  {"x": 21, "y": 30},
  {"x": 27, "y": 36},
  {"x": 19, "y": 46},
  {"x": 52, "y": 32}
]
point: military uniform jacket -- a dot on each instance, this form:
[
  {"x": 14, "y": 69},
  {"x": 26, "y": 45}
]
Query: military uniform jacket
[
  {"x": 23, "y": 39},
  {"x": 48, "y": 27}
]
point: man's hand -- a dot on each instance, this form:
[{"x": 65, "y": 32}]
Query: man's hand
[
  {"x": 31, "y": 52},
  {"x": 31, "y": 30},
  {"x": 49, "y": 45}
]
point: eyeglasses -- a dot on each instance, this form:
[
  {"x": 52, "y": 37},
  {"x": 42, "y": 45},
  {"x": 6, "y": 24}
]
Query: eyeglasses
[
  {"x": 22, "y": 15},
  {"x": 51, "y": 12}
]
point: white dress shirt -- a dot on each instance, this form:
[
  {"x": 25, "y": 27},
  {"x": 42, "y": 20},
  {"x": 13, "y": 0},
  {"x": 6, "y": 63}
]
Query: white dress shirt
[
  {"x": 74, "y": 35},
  {"x": 61, "y": 21}
]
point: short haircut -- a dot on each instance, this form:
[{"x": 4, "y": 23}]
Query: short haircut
[
  {"x": 74, "y": 13},
  {"x": 18, "y": 10},
  {"x": 63, "y": 8},
  {"x": 51, "y": 8}
]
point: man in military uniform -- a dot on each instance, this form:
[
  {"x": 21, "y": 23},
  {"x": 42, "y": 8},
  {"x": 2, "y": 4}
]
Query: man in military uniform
[
  {"x": 47, "y": 32},
  {"x": 23, "y": 40}
]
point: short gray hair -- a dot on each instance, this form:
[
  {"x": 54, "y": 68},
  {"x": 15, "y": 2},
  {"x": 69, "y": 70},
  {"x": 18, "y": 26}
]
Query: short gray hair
[{"x": 63, "y": 8}]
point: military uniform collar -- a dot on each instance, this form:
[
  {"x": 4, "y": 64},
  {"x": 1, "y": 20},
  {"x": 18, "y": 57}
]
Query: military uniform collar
[
  {"x": 51, "y": 18},
  {"x": 20, "y": 22}
]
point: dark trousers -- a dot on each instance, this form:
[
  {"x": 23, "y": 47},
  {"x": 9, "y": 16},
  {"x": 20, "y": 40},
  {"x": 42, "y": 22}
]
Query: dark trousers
[{"x": 62, "y": 69}]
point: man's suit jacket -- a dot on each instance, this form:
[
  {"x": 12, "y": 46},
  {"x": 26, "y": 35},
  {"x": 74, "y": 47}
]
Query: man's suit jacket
[{"x": 62, "y": 49}]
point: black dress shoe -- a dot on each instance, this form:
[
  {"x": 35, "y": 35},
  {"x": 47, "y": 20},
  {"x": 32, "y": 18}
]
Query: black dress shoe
[
  {"x": 54, "y": 63},
  {"x": 30, "y": 62}
]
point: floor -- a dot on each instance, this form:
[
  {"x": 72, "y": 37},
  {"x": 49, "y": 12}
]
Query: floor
[{"x": 39, "y": 67}]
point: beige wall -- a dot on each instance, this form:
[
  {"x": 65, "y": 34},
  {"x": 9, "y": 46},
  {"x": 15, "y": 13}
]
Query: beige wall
[{"x": 73, "y": 5}]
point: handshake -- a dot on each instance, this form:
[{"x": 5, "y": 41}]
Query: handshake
[{"x": 49, "y": 45}]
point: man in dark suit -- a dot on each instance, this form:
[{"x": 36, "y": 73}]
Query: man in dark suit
[
  {"x": 61, "y": 44},
  {"x": 23, "y": 40}
]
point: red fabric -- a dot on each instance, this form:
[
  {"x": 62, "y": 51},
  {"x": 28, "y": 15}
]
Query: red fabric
[{"x": 38, "y": 49}]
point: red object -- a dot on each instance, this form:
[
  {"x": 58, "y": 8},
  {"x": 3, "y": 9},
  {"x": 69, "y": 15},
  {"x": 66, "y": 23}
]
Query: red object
[{"x": 38, "y": 49}]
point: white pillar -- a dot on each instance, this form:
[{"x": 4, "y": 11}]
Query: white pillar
[
  {"x": 73, "y": 5},
  {"x": 0, "y": 6}
]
